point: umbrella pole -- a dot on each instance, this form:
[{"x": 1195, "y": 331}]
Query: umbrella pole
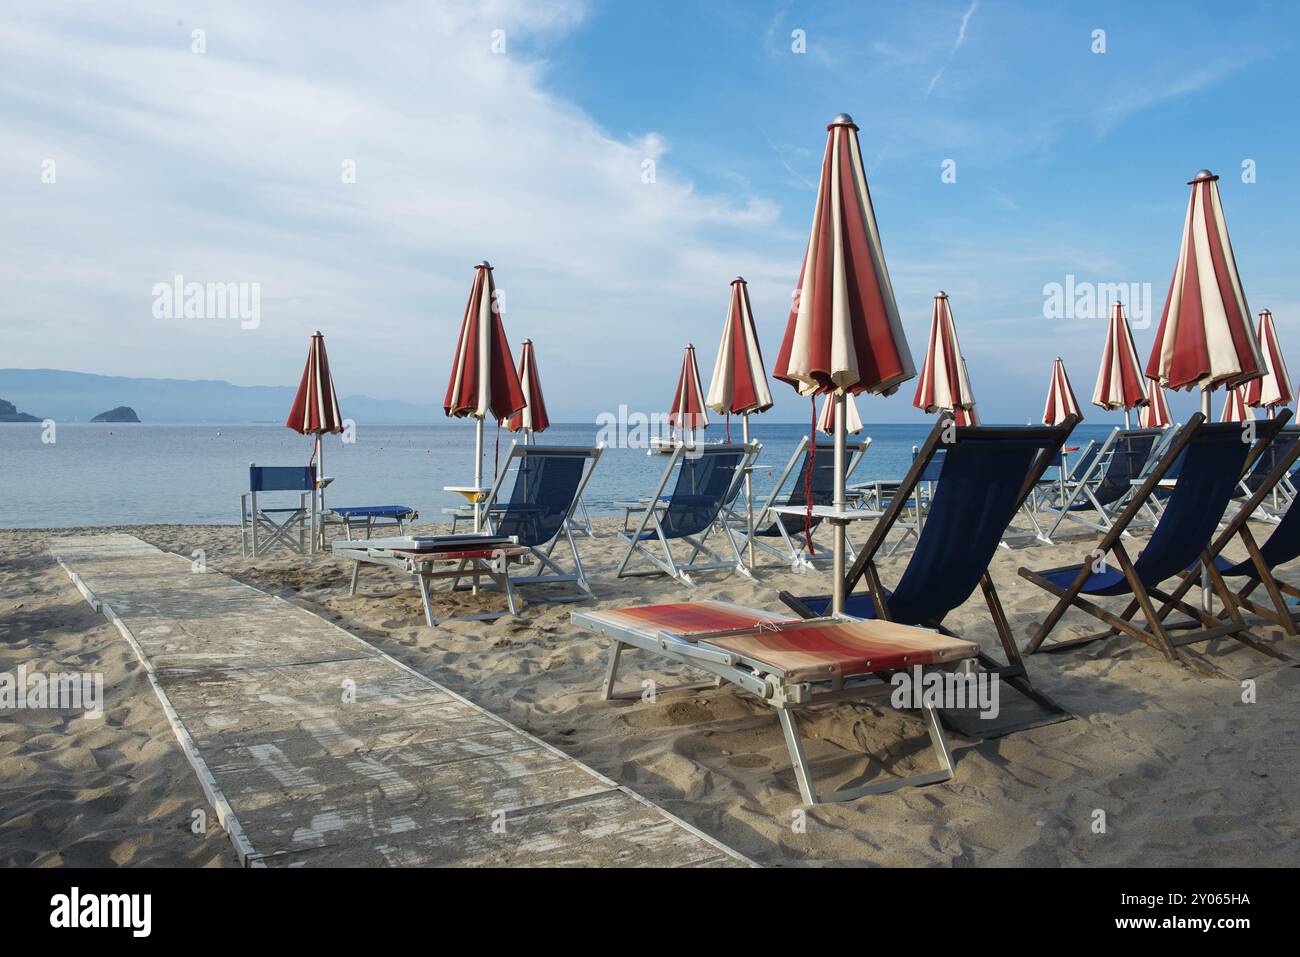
[
  {"x": 1207, "y": 601},
  {"x": 1127, "y": 423},
  {"x": 478, "y": 467},
  {"x": 749, "y": 497},
  {"x": 1205, "y": 403},
  {"x": 837, "y": 595},
  {"x": 318, "y": 496}
]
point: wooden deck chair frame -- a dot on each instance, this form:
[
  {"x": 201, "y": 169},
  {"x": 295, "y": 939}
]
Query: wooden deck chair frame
[
  {"x": 1156, "y": 635},
  {"x": 1280, "y": 613},
  {"x": 787, "y": 698},
  {"x": 1013, "y": 671},
  {"x": 544, "y": 553},
  {"x": 650, "y": 519},
  {"x": 796, "y": 552}
]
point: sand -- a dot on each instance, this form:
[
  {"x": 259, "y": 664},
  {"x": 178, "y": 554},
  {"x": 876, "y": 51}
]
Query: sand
[{"x": 1184, "y": 771}]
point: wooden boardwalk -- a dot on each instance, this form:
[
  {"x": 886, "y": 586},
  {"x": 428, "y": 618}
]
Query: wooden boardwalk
[{"x": 316, "y": 748}]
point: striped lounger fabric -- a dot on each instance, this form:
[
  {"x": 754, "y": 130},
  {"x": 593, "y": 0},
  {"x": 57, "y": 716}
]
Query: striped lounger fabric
[{"x": 789, "y": 663}]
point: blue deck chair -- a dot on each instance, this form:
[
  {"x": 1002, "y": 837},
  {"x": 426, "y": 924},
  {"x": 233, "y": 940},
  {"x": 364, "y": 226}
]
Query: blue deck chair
[
  {"x": 791, "y": 490},
  {"x": 1283, "y": 490},
  {"x": 280, "y": 525},
  {"x": 708, "y": 479},
  {"x": 1212, "y": 458},
  {"x": 1281, "y": 547},
  {"x": 986, "y": 476},
  {"x": 548, "y": 484},
  {"x": 1126, "y": 455}
]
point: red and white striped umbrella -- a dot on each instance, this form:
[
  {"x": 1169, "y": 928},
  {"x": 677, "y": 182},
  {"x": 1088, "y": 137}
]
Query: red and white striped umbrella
[
  {"x": 844, "y": 334},
  {"x": 1060, "y": 397},
  {"x": 944, "y": 383},
  {"x": 1274, "y": 387},
  {"x": 316, "y": 408},
  {"x": 315, "y": 411},
  {"x": 1205, "y": 337},
  {"x": 532, "y": 418},
  {"x": 826, "y": 418},
  {"x": 1119, "y": 380},
  {"x": 483, "y": 378},
  {"x": 739, "y": 384},
  {"x": 1155, "y": 414},
  {"x": 844, "y": 330},
  {"x": 688, "y": 410},
  {"x": 967, "y": 416},
  {"x": 1235, "y": 408}
]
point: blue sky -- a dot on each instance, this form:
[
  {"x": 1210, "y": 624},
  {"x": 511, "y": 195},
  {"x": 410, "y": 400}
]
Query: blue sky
[{"x": 224, "y": 166}]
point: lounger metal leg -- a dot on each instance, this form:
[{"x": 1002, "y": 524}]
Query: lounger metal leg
[
  {"x": 356, "y": 570},
  {"x": 424, "y": 596},
  {"x": 797, "y": 758},
  {"x": 611, "y": 671},
  {"x": 803, "y": 774}
]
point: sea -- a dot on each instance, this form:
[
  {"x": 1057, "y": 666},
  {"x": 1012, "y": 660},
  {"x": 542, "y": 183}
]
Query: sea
[{"x": 88, "y": 474}]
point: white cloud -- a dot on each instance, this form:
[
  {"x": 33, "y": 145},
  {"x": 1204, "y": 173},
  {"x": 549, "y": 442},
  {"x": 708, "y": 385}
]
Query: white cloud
[{"x": 226, "y": 166}]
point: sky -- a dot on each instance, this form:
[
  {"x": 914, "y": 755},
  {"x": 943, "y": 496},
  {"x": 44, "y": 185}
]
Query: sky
[{"x": 354, "y": 161}]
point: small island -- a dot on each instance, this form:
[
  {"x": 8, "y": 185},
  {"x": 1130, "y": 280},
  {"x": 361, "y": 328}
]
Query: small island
[
  {"x": 9, "y": 413},
  {"x": 123, "y": 413}
]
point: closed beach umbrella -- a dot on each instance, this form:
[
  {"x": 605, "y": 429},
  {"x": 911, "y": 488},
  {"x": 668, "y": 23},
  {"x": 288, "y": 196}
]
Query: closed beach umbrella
[
  {"x": 532, "y": 417},
  {"x": 844, "y": 335},
  {"x": 315, "y": 409},
  {"x": 688, "y": 401},
  {"x": 1061, "y": 402},
  {"x": 1205, "y": 337},
  {"x": 1155, "y": 414},
  {"x": 1235, "y": 408},
  {"x": 1273, "y": 389},
  {"x": 1119, "y": 380},
  {"x": 739, "y": 384},
  {"x": 943, "y": 384},
  {"x": 826, "y": 418},
  {"x": 483, "y": 378}
]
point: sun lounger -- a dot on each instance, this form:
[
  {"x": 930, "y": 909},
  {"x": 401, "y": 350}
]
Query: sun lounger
[
  {"x": 708, "y": 480},
  {"x": 548, "y": 485},
  {"x": 371, "y": 517},
  {"x": 986, "y": 476},
  {"x": 881, "y": 493},
  {"x": 788, "y": 664},
  {"x": 1103, "y": 487},
  {"x": 1212, "y": 458},
  {"x": 262, "y": 528},
  {"x": 791, "y": 491},
  {"x": 430, "y": 558}
]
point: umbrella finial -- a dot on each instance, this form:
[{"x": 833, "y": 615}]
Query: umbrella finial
[
  {"x": 1201, "y": 176},
  {"x": 842, "y": 119},
  {"x": 484, "y": 265},
  {"x": 941, "y": 295},
  {"x": 738, "y": 279}
]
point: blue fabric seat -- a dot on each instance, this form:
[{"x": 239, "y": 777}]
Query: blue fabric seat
[{"x": 262, "y": 527}]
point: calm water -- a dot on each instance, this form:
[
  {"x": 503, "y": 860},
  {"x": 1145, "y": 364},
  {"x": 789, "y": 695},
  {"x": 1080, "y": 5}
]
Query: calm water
[{"x": 154, "y": 473}]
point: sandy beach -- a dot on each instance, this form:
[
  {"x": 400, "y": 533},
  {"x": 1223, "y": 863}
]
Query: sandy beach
[{"x": 1186, "y": 773}]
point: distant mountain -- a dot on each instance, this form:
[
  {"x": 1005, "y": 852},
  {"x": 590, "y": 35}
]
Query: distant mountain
[
  {"x": 77, "y": 396},
  {"x": 123, "y": 413},
  {"x": 9, "y": 413}
]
